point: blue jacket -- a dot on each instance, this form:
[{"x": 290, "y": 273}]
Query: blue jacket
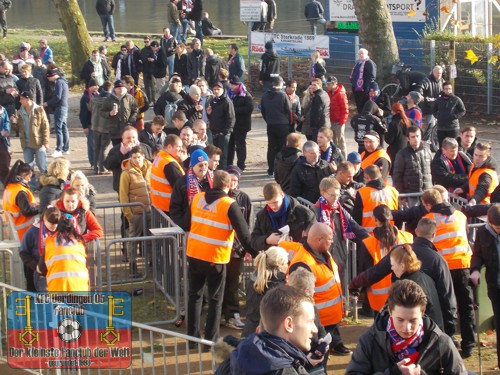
[
  {"x": 59, "y": 97},
  {"x": 4, "y": 125},
  {"x": 30, "y": 254},
  {"x": 314, "y": 10},
  {"x": 264, "y": 353}
]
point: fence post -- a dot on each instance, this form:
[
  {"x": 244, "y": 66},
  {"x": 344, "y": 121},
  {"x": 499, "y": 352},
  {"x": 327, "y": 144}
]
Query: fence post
[
  {"x": 356, "y": 47},
  {"x": 489, "y": 79},
  {"x": 249, "y": 48},
  {"x": 433, "y": 53}
]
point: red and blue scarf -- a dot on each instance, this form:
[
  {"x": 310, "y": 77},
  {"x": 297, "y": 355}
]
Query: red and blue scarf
[{"x": 405, "y": 348}]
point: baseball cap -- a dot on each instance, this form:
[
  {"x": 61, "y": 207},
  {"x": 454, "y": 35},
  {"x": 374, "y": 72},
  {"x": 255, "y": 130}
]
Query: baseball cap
[
  {"x": 373, "y": 135},
  {"x": 331, "y": 79},
  {"x": 26, "y": 94},
  {"x": 354, "y": 157}
]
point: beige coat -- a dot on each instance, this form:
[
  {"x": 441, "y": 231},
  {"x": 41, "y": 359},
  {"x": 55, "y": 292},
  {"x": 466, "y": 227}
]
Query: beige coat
[
  {"x": 39, "y": 128},
  {"x": 134, "y": 187}
]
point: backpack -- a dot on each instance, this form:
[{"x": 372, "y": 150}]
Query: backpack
[{"x": 170, "y": 109}]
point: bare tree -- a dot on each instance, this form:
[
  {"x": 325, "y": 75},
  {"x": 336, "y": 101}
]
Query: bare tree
[
  {"x": 77, "y": 35},
  {"x": 377, "y": 35}
]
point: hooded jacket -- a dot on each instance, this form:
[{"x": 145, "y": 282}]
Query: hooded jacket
[
  {"x": 306, "y": 178},
  {"x": 59, "y": 97},
  {"x": 243, "y": 108},
  {"x": 339, "y": 106},
  {"x": 412, "y": 169},
  {"x": 275, "y": 107},
  {"x": 269, "y": 65},
  {"x": 134, "y": 187},
  {"x": 222, "y": 118},
  {"x": 264, "y": 353},
  {"x": 51, "y": 190},
  {"x": 213, "y": 65},
  {"x": 283, "y": 164},
  {"x": 195, "y": 65},
  {"x": 373, "y": 356},
  {"x": 320, "y": 110},
  {"x": 366, "y": 121},
  {"x": 448, "y": 109}
]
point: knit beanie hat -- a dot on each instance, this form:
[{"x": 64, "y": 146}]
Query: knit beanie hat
[{"x": 198, "y": 156}]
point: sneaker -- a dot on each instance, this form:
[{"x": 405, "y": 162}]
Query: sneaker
[
  {"x": 105, "y": 39},
  {"x": 56, "y": 154},
  {"x": 238, "y": 321},
  {"x": 231, "y": 323},
  {"x": 66, "y": 152}
]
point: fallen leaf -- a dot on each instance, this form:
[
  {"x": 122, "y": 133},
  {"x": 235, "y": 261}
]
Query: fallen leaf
[
  {"x": 454, "y": 1},
  {"x": 471, "y": 56},
  {"x": 445, "y": 9},
  {"x": 412, "y": 12},
  {"x": 493, "y": 60}
]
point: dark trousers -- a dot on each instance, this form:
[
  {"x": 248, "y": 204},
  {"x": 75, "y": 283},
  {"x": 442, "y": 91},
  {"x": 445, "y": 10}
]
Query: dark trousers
[
  {"x": 30, "y": 283},
  {"x": 214, "y": 275},
  {"x": 3, "y": 23},
  {"x": 149, "y": 86},
  {"x": 222, "y": 141},
  {"x": 101, "y": 142},
  {"x": 465, "y": 306},
  {"x": 359, "y": 99},
  {"x": 231, "y": 303},
  {"x": 4, "y": 161},
  {"x": 276, "y": 139},
  {"x": 494, "y": 295},
  {"x": 336, "y": 339},
  {"x": 238, "y": 146},
  {"x": 442, "y": 134}
]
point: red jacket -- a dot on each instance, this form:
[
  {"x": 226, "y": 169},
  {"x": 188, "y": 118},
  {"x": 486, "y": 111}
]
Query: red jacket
[
  {"x": 339, "y": 108},
  {"x": 87, "y": 224}
]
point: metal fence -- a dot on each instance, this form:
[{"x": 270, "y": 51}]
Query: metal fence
[{"x": 154, "y": 350}]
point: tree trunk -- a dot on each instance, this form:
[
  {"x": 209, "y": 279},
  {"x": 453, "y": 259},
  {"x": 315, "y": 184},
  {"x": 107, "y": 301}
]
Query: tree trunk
[
  {"x": 77, "y": 35},
  {"x": 377, "y": 35}
]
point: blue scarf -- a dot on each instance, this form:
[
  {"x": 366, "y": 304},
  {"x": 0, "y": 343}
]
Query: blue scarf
[{"x": 278, "y": 219}]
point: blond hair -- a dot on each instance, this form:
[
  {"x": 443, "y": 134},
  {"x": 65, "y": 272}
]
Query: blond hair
[
  {"x": 267, "y": 265},
  {"x": 59, "y": 168}
]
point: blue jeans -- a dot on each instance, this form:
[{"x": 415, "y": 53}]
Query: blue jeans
[
  {"x": 175, "y": 31},
  {"x": 199, "y": 31},
  {"x": 90, "y": 148},
  {"x": 61, "y": 127},
  {"x": 38, "y": 154},
  {"x": 183, "y": 31},
  {"x": 108, "y": 26},
  {"x": 170, "y": 65},
  {"x": 314, "y": 25}
]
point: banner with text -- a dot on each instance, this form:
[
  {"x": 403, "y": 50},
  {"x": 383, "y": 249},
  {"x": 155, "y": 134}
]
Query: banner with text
[
  {"x": 250, "y": 10},
  {"x": 61, "y": 330},
  {"x": 296, "y": 45},
  {"x": 400, "y": 10}
]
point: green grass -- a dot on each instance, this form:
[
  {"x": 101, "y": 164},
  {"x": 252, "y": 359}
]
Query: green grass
[{"x": 59, "y": 45}]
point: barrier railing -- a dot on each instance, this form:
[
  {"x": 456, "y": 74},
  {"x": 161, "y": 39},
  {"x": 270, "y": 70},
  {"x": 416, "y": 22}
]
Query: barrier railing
[
  {"x": 154, "y": 350},
  {"x": 10, "y": 246}
]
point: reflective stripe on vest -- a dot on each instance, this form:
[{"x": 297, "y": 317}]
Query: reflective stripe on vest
[
  {"x": 474, "y": 180},
  {"x": 372, "y": 198},
  {"x": 211, "y": 237},
  {"x": 59, "y": 275},
  {"x": 65, "y": 257},
  {"x": 451, "y": 239},
  {"x": 379, "y": 292},
  {"x": 21, "y": 222},
  {"x": 161, "y": 189},
  {"x": 328, "y": 289}
]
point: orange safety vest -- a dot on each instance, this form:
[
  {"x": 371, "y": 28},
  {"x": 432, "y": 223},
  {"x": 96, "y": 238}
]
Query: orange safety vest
[
  {"x": 161, "y": 190},
  {"x": 451, "y": 239},
  {"x": 21, "y": 223},
  {"x": 378, "y": 292},
  {"x": 372, "y": 198},
  {"x": 291, "y": 248},
  {"x": 66, "y": 266},
  {"x": 474, "y": 179},
  {"x": 328, "y": 290},
  {"x": 212, "y": 235},
  {"x": 373, "y": 157}
]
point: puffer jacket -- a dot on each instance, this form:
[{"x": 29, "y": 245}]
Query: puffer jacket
[
  {"x": 195, "y": 65},
  {"x": 127, "y": 113},
  {"x": 339, "y": 106},
  {"x": 320, "y": 110},
  {"x": 275, "y": 107},
  {"x": 269, "y": 65},
  {"x": 222, "y": 118},
  {"x": 39, "y": 128},
  {"x": 412, "y": 169},
  {"x": 448, "y": 109},
  {"x": 51, "y": 190},
  {"x": 283, "y": 164},
  {"x": 243, "y": 108},
  {"x": 306, "y": 179},
  {"x": 429, "y": 88},
  {"x": 437, "y": 354},
  {"x": 134, "y": 186}
]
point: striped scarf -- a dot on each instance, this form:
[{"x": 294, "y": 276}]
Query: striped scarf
[{"x": 405, "y": 348}]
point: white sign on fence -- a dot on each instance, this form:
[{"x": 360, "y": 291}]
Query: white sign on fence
[
  {"x": 400, "y": 10},
  {"x": 250, "y": 10},
  {"x": 297, "y": 45}
]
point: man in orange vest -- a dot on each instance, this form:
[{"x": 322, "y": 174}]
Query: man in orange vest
[
  {"x": 375, "y": 193},
  {"x": 483, "y": 177},
  {"x": 452, "y": 244},
  {"x": 165, "y": 172},
  {"x": 214, "y": 218},
  {"x": 375, "y": 154},
  {"x": 315, "y": 256}
]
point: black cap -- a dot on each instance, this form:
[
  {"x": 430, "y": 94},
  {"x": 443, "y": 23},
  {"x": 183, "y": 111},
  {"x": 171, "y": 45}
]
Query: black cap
[
  {"x": 26, "y": 94},
  {"x": 92, "y": 82}
]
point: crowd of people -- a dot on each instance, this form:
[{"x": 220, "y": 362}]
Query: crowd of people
[{"x": 188, "y": 161}]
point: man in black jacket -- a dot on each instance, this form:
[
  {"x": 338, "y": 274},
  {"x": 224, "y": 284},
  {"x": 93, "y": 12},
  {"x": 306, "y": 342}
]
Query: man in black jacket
[
  {"x": 221, "y": 115},
  {"x": 450, "y": 167},
  {"x": 319, "y": 112},
  {"x": 275, "y": 108},
  {"x": 236, "y": 64},
  {"x": 105, "y": 9},
  {"x": 448, "y": 109},
  {"x": 280, "y": 210},
  {"x": 285, "y": 161},
  {"x": 430, "y": 88},
  {"x": 432, "y": 264},
  {"x": 308, "y": 173},
  {"x": 168, "y": 44},
  {"x": 269, "y": 66},
  {"x": 348, "y": 187},
  {"x": 147, "y": 60}
]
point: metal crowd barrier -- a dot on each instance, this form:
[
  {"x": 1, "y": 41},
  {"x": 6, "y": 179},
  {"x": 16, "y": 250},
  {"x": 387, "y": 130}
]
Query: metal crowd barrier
[
  {"x": 154, "y": 350},
  {"x": 10, "y": 245}
]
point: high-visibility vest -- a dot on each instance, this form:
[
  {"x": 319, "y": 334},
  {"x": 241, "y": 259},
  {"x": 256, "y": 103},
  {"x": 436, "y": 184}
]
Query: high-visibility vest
[
  {"x": 372, "y": 198},
  {"x": 327, "y": 290},
  {"x": 66, "y": 266},
  {"x": 378, "y": 292},
  {"x": 21, "y": 223},
  {"x": 161, "y": 190},
  {"x": 373, "y": 157},
  {"x": 291, "y": 248},
  {"x": 212, "y": 235},
  {"x": 474, "y": 179},
  {"x": 451, "y": 239}
]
